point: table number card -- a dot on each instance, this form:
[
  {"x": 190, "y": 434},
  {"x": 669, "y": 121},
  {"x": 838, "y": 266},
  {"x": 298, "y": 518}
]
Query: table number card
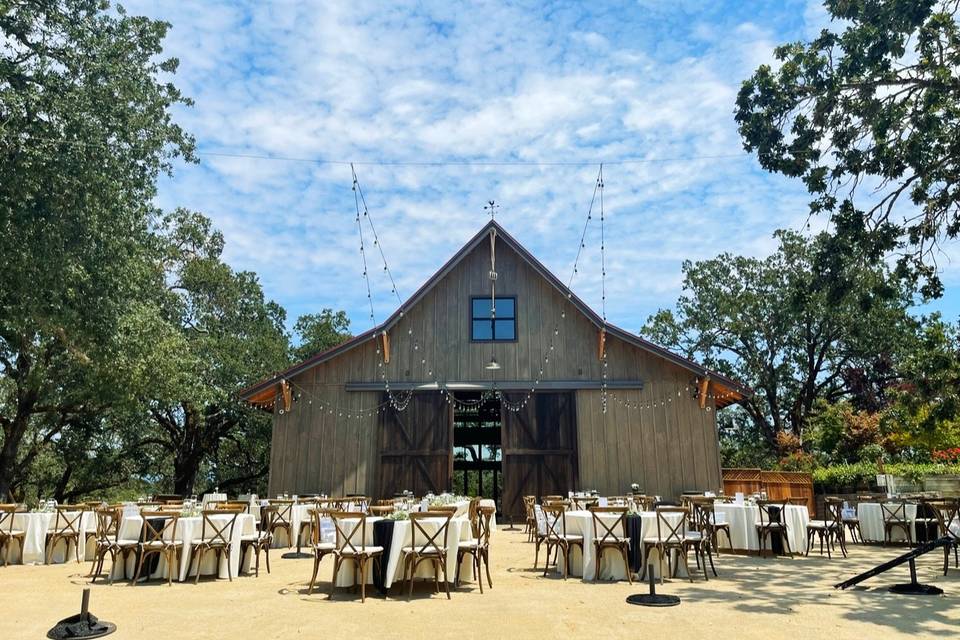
[{"x": 601, "y": 502}]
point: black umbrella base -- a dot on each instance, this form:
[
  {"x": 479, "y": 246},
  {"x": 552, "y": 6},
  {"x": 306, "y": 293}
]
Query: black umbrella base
[
  {"x": 916, "y": 589},
  {"x": 653, "y": 600},
  {"x": 82, "y": 625},
  {"x": 296, "y": 555}
]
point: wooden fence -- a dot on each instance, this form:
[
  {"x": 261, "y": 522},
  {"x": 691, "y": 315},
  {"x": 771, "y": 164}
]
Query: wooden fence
[{"x": 779, "y": 485}]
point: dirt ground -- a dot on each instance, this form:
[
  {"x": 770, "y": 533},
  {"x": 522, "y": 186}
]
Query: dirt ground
[{"x": 752, "y": 598}]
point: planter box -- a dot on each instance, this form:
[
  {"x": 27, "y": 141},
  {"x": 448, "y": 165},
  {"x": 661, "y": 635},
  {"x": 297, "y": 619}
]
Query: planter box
[{"x": 948, "y": 486}]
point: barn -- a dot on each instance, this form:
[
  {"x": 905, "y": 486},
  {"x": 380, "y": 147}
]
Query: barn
[{"x": 494, "y": 379}]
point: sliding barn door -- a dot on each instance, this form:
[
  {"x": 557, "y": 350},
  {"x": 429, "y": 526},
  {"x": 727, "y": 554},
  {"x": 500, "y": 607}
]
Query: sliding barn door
[
  {"x": 539, "y": 449},
  {"x": 416, "y": 447}
]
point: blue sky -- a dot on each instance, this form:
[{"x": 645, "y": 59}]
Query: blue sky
[{"x": 651, "y": 82}]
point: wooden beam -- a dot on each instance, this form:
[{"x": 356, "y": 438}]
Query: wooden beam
[
  {"x": 287, "y": 395},
  {"x": 503, "y": 385},
  {"x": 704, "y": 386},
  {"x": 601, "y": 343},
  {"x": 385, "y": 345}
]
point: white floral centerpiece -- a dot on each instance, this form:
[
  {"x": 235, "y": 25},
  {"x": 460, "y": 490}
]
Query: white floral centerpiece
[
  {"x": 399, "y": 514},
  {"x": 445, "y": 499}
]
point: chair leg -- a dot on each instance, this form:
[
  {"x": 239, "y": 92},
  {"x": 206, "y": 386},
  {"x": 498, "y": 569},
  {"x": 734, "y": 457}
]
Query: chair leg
[
  {"x": 199, "y": 557},
  {"x": 266, "y": 555},
  {"x": 446, "y": 585},
  {"x": 313, "y": 578},
  {"x": 362, "y": 561},
  {"x": 336, "y": 569},
  {"x": 536, "y": 556},
  {"x": 486, "y": 566},
  {"x": 476, "y": 559},
  {"x": 598, "y": 551}
]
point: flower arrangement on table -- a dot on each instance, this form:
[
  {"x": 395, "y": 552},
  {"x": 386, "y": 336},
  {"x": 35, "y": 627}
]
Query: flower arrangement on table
[
  {"x": 399, "y": 514},
  {"x": 446, "y": 499},
  {"x": 634, "y": 488}
]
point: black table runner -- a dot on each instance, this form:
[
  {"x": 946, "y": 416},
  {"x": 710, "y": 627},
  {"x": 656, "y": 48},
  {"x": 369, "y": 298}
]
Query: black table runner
[{"x": 382, "y": 537}]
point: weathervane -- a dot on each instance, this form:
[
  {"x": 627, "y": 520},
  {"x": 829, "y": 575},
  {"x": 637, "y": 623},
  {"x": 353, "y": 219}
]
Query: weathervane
[{"x": 491, "y": 208}]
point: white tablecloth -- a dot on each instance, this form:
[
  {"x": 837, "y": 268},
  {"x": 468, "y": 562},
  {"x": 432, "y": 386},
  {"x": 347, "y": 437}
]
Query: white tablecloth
[
  {"x": 611, "y": 566},
  {"x": 213, "y": 497},
  {"x": 35, "y": 527},
  {"x": 743, "y": 531},
  {"x": 189, "y": 530},
  {"x": 458, "y": 531},
  {"x": 871, "y": 522}
]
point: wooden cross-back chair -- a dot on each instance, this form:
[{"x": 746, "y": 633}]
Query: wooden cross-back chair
[
  {"x": 557, "y": 538},
  {"x": 216, "y": 535},
  {"x": 431, "y": 550},
  {"x": 282, "y": 518},
  {"x": 705, "y": 519},
  {"x": 259, "y": 540},
  {"x": 772, "y": 519},
  {"x": 66, "y": 529},
  {"x": 670, "y": 537},
  {"x": 109, "y": 542},
  {"x": 539, "y": 531},
  {"x": 612, "y": 536},
  {"x": 158, "y": 537},
  {"x": 321, "y": 549},
  {"x": 9, "y": 535},
  {"x": 948, "y": 524},
  {"x": 380, "y": 510},
  {"x": 478, "y": 548},
  {"x": 895, "y": 517},
  {"x": 829, "y": 530},
  {"x": 353, "y": 548},
  {"x": 531, "y": 519}
]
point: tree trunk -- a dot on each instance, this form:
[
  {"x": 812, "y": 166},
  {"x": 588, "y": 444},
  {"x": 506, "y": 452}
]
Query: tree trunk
[{"x": 8, "y": 456}]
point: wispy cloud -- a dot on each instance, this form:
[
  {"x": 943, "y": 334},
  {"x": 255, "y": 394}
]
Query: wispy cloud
[{"x": 360, "y": 81}]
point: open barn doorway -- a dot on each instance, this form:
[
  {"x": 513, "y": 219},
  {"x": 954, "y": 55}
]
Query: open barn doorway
[{"x": 477, "y": 455}]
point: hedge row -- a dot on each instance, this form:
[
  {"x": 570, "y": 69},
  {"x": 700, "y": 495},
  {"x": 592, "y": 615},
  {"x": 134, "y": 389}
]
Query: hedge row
[{"x": 864, "y": 474}]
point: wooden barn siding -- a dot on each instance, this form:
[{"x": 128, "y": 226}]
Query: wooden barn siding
[{"x": 313, "y": 450}]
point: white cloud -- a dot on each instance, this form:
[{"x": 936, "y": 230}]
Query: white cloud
[{"x": 363, "y": 81}]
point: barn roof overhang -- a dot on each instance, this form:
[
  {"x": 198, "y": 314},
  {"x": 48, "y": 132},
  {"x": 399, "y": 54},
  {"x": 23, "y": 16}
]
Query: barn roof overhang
[{"x": 726, "y": 391}]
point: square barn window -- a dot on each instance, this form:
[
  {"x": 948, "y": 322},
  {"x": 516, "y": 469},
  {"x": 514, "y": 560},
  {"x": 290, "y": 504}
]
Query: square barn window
[{"x": 487, "y": 327}]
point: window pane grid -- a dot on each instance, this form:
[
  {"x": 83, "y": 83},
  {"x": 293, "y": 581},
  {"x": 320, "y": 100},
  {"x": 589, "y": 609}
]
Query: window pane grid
[{"x": 487, "y": 327}]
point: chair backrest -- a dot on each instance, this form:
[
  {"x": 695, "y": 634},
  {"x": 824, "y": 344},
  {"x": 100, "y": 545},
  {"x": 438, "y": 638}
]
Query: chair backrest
[
  {"x": 547, "y": 499},
  {"x": 668, "y": 532},
  {"x": 67, "y": 520},
  {"x": 541, "y": 519},
  {"x": 948, "y": 511},
  {"x": 158, "y": 526},
  {"x": 170, "y": 497},
  {"x": 528, "y": 502},
  {"x": 604, "y": 532},
  {"x": 644, "y": 503},
  {"x": 108, "y": 523},
  {"x": 472, "y": 508},
  {"x": 231, "y": 505},
  {"x": 894, "y": 511},
  {"x": 555, "y": 519},
  {"x": 6, "y": 517},
  {"x": 380, "y": 510},
  {"x": 482, "y": 533},
  {"x": 322, "y": 525},
  {"x": 452, "y": 510},
  {"x": 218, "y": 525},
  {"x": 350, "y": 538},
  {"x": 431, "y": 542},
  {"x": 283, "y": 514},
  {"x": 771, "y": 512},
  {"x": 833, "y": 508}
]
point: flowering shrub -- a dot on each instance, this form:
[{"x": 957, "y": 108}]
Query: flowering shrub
[{"x": 947, "y": 455}]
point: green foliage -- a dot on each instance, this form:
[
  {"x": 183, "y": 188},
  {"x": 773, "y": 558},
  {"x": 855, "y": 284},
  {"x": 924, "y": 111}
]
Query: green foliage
[
  {"x": 878, "y": 102},
  {"x": 85, "y": 131},
  {"x": 774, "y": 324},
  {"x": 318, "y": 332},
  {"x": 844, "y": 434},
  {"x": 861, "y": 475}
]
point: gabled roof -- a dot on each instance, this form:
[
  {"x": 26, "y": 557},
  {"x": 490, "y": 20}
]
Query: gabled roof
[{"x": 733, "y": 390}]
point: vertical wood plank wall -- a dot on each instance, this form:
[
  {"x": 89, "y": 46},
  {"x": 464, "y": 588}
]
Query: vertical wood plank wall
[{"x": 666, "y": 450}]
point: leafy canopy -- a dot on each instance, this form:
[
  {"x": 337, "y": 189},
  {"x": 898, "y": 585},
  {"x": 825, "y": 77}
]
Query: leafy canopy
[
  {"x": 868, "y": 116},
  {"x": 774, "y": 324}
]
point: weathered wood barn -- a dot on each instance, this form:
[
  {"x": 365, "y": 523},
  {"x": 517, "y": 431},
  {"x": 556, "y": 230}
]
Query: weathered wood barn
[{"x": 445, "y": 355}]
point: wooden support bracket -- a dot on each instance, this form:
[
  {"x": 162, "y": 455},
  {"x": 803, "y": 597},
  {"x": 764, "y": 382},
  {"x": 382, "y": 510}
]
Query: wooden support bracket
[
  {"x": 704, "y": 387},
  {"x": 287, "y": 395},
  {"x": 385, "y": 345}
]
